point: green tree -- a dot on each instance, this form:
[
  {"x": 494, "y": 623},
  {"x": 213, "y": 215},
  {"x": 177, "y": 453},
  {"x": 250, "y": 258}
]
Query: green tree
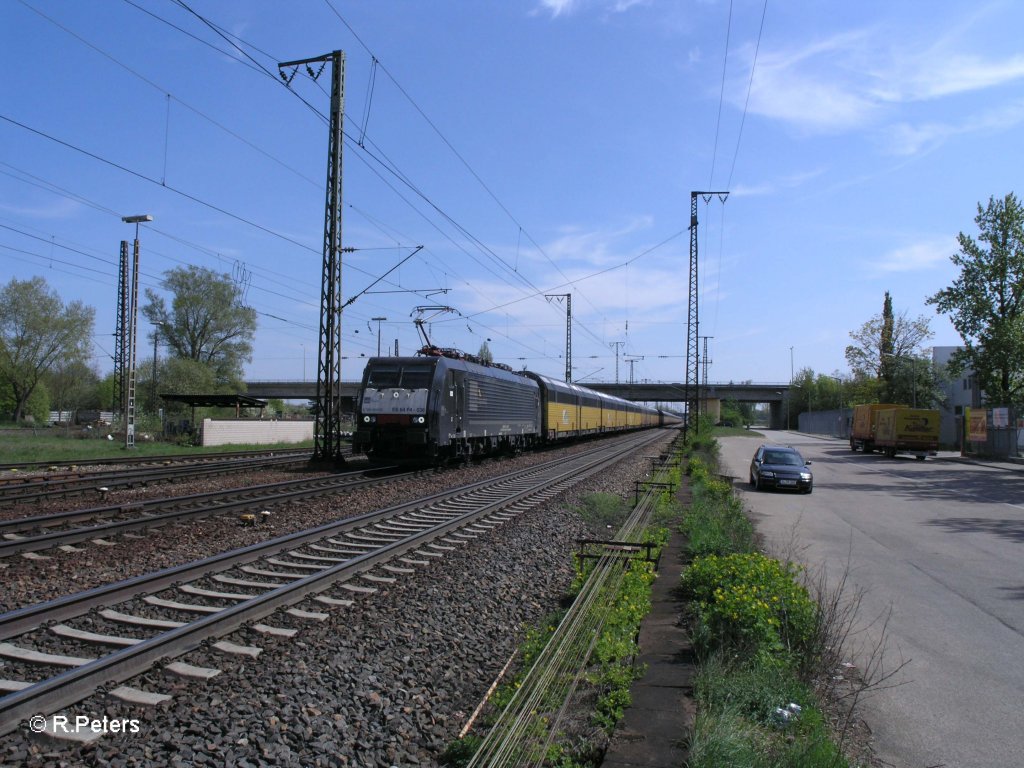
[
  {"x": 886, "y": 345},
  {"x": 208, "y": 321},
  {"x": 180, "y": 376},
  {"x": 37, "y": 332},
  {"x": 886, "y": 363},
  {"x": 485, "y": 353},
  {"x": 73, "y": 385},
  {"x": 986, "y": 302}
]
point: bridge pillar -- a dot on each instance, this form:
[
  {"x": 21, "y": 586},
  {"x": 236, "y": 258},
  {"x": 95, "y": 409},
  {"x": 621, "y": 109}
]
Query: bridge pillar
[
  {"x": 776, "y": 415},
  {"x": 712, "y": 406}
]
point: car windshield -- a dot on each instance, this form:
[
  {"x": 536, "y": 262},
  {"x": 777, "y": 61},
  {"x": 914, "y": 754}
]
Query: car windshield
[{"x": 783, "y": 457}]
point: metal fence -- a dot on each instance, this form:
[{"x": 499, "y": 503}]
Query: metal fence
[
  {"x": 835, "y": 423},
  {"x": 1004, "y": 433}
]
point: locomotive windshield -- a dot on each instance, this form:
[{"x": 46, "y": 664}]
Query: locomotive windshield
[
  {"x": 382, "y": 376},
  {"x": 392, "y": 376},
  {"x": 417, "y": 376}
]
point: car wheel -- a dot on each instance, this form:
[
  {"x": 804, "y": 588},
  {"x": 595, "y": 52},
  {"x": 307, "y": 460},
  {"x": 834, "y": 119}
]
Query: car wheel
[{"x": 753, "y": 484}]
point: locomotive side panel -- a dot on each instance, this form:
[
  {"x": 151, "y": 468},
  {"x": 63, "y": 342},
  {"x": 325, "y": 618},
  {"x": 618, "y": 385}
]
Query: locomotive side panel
[{"x": 481, "y": 410}]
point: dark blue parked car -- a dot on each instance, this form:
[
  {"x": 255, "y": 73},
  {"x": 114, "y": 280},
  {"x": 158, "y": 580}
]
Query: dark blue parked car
[{"x": 780, "y": 466}]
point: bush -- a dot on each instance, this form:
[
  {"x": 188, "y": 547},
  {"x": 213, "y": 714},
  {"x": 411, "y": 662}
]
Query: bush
[
  {"x": 715, "y": 524},
  {"x": 750, "y": 603}
]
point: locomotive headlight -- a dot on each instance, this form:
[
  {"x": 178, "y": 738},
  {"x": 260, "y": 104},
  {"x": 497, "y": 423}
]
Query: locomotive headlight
[
  {"x": 420, "y": 420},
  {"x": 368, "y": 419}
]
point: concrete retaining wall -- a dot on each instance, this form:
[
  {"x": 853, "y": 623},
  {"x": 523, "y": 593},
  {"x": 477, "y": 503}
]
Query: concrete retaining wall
[{"x": 251, "y": 432}]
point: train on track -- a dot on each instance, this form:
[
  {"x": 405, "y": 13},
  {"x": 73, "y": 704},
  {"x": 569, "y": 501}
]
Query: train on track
[{"x": 445, "y": 406}]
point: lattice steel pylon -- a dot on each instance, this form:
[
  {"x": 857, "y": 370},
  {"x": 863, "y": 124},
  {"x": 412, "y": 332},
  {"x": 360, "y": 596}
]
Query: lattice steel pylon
[
  {"x": 568, "y": 330},
  {"x": 705, "y": 361},
  {"x": 691, "y": 391},
  {"x": 120, "y": 333},
  {"x": 327, "y": 434}
]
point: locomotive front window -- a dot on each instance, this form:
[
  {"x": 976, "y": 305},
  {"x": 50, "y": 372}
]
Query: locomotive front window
[
  {"x": 383, "y": 376},
  {"x": 417, "y": 376}
]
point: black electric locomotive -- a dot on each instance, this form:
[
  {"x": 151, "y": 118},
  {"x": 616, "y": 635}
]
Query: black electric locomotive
[
  {"x": 438, "y": 408},
  {"x": 443, "y": 405}
]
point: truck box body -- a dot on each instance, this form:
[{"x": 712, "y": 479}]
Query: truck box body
[
  {"x": 865, "y": 419},
  {"x": 907, "y": 429}
]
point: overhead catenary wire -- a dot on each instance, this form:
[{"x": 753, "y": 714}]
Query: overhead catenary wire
[
  {"x": 380, "y": 159},
  {"x": 721, "y": 98},
  {"x": 746, "y": 101},
  {"x": 377, "y": 155},
  {"x": 455, "y": 152}
]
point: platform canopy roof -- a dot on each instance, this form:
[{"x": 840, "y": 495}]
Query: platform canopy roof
[{"x": 217, "y": 401}]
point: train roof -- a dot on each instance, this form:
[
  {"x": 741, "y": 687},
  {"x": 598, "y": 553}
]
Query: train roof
[
  {"x": 458, "y": 363},
  {"x": 470, "y": 363},
  {"x": 563, "y": 386}
]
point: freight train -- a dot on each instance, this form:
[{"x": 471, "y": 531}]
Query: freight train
[{"x": 444, "y": 406}]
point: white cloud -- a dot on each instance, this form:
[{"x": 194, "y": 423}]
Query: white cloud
[
  {"x": 817, "y": 87},
  {"x": 790, "y": 181},
  {"x": 922, "y": 255},
  {"x": 566, "y": 7},
  {"x": 594, "y": 248},
  {"x": 907, "y": 139},
  {"x": 937, "y": 74},
  {"x": 61, "y": 209},
  {"x": 862, "y": 77},
  {"x": 558, "y": 7}
]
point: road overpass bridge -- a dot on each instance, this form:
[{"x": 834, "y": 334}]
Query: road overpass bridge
[{"x": 774, "y": 395}]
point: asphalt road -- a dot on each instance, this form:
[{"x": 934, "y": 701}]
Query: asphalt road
[{"x": 941, "y": 543}]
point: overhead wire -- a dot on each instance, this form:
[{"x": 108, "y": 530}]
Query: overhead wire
[
  {"x": 721, "y": 97},
  {"x": 377, "y": 155},
  {"x": 746, "y": 101},
  {"x": 455, "y": 152},
  {"x": 385, "y": 163}
]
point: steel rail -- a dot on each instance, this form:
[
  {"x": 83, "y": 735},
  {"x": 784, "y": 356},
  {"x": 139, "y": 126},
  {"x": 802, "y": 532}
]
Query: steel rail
[
  {"x": 75, "y": 684},
  {"x": 179, "y": 458},
  {"x": 57, "y": 486},
  {"x": 182, "y": 508}
]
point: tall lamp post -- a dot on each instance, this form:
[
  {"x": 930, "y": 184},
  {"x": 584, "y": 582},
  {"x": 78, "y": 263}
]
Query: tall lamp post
[
  {"x": 913, "y": 371},
  {"x": 133, "y": 322},
  {"x": 789, "y": 399},
  {"x": 378, "y": 320}
]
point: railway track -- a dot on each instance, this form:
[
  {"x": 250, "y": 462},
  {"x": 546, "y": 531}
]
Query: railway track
[
  {"x": 165, "y": 459},
  {"x": 36, "y": 534},
  {"x": 25, "y": 490},
  {"x": 149, "y": 619}
]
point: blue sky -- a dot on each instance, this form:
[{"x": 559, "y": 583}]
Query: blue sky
[{"x": 531, "y": 147}]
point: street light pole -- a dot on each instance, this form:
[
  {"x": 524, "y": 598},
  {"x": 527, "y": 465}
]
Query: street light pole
[
  {"x": 789, "y": 400},
  {"x": 133, "y": 322},
  {"x": 378, "y": 320}
]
